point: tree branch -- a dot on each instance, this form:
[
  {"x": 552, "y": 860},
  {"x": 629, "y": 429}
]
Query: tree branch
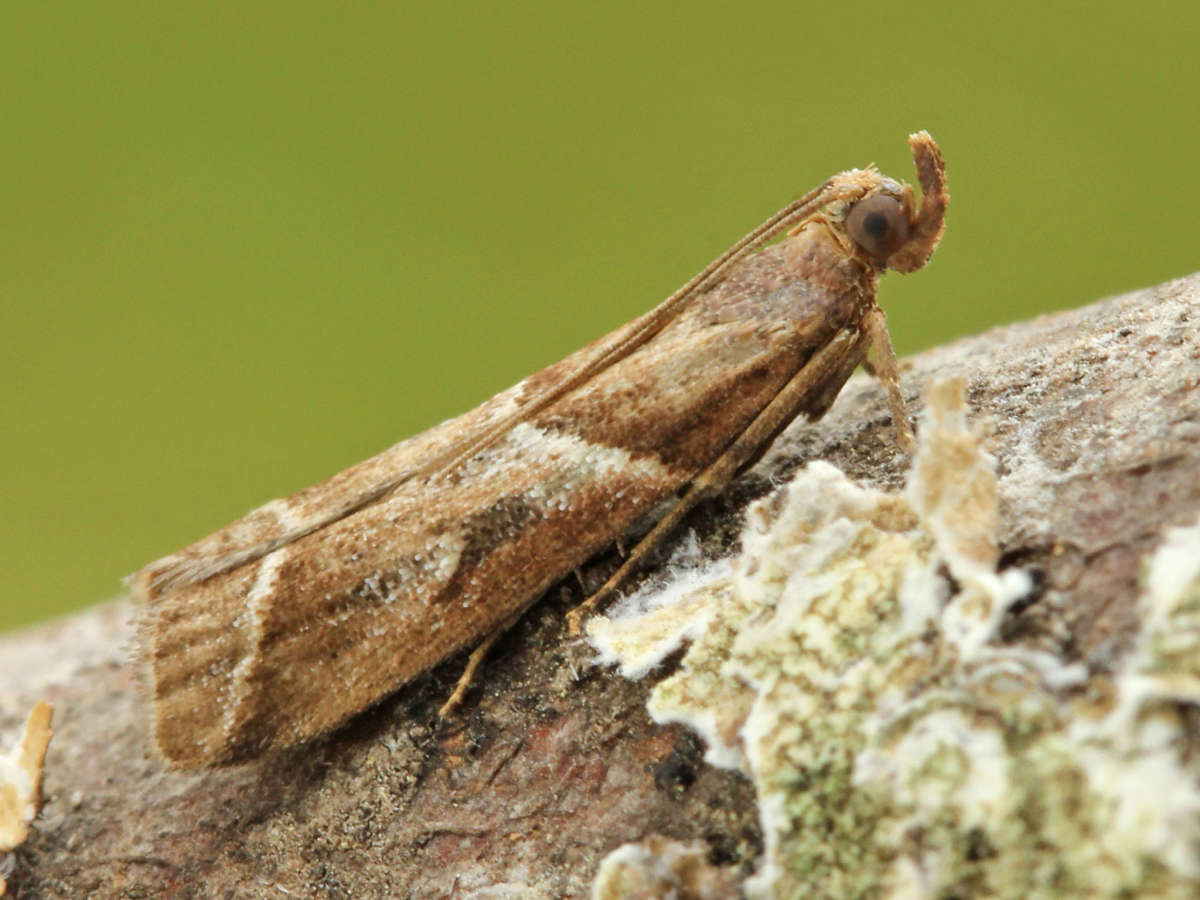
[{"x": 551, "y": 763}]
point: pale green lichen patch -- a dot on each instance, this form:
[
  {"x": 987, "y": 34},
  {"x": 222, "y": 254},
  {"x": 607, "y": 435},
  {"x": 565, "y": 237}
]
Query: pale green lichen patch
[
  {"x": 897, "y": 748},
  {"x": 1170, "y": 645}
]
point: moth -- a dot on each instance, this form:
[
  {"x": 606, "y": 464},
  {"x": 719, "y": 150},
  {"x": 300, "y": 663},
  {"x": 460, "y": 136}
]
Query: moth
[{"x": 287, "y": 622}]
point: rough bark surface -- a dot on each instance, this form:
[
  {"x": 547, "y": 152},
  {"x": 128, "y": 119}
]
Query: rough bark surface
[{"x": 553, "y": 763}]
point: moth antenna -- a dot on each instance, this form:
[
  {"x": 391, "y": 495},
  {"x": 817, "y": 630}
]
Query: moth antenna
[{"x": 165, "y": 574}]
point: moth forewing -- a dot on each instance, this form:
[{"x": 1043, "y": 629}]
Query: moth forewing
[{"x": 311, "y": 608}]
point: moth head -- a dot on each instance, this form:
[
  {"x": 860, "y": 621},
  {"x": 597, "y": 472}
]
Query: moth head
[{"x": 881, "y": 216}]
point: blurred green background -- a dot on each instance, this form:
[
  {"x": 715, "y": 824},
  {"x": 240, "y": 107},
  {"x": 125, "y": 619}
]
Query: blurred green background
[{"x": 246, "y": 245}]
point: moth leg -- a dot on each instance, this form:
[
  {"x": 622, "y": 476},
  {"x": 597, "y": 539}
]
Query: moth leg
[
  {"x": 806, "y": 391},
  {"x": 474, "y": 661},
  {"x": 887, "y": 371}
]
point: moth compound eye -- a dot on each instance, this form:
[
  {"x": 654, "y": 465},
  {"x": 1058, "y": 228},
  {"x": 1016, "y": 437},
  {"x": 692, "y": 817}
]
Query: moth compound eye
[{"x": 878, "y": 225}]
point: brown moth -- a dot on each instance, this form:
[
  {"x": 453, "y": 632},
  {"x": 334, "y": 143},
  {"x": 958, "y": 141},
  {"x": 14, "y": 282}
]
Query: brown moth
[{"x": 309, "y": 609}]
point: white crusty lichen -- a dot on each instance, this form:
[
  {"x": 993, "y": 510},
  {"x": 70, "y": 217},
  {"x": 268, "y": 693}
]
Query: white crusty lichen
[
  {"x": 848, "y": 663},
  {"x": 659, "y": 868},
  {"x": 21, "y": 780}
]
